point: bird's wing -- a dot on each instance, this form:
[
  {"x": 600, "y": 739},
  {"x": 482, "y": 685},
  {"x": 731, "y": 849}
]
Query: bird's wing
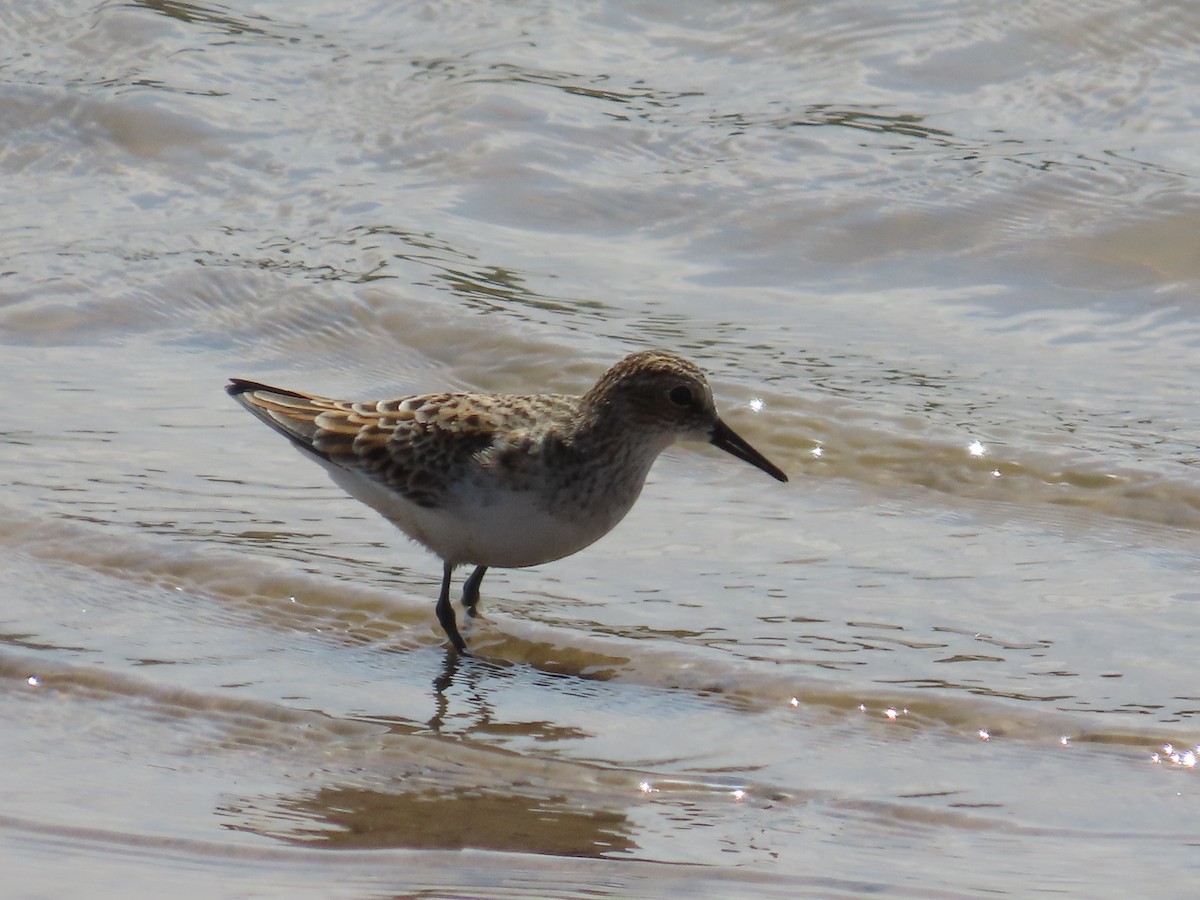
[{"x": 417, "y": 446}]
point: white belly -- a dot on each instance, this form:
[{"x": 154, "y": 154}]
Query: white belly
[{"x": 488, "y": 527}]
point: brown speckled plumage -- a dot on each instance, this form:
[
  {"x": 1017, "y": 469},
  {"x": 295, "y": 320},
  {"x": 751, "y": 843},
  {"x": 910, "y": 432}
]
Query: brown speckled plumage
[{"x": 508, "y": 480}]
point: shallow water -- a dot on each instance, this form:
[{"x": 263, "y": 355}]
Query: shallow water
[{"x": 940, "y": 262}]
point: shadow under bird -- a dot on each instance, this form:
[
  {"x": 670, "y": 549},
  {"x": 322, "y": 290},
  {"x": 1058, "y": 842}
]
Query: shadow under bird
[{"x": 504, "y": 480}]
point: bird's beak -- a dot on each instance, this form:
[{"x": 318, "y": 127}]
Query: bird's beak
[{"x": 731, "y": 442}]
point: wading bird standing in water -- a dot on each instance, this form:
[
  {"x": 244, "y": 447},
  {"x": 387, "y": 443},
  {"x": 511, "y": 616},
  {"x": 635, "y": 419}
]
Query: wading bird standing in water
[{"x": 504, "y": 480}]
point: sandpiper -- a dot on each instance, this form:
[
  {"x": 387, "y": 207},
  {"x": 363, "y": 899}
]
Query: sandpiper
[{"x": 504, "y": 480}]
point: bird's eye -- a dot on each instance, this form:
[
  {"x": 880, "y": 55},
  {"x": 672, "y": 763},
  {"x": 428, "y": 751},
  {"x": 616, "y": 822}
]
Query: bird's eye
[{"x": 681, "y": 396}]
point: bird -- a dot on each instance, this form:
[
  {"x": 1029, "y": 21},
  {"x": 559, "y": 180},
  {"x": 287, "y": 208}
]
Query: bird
[{"x": 504, "y": 480}]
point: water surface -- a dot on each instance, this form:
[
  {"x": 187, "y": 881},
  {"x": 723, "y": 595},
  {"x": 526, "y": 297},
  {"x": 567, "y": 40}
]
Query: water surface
[{"x": 940, "y": 261}]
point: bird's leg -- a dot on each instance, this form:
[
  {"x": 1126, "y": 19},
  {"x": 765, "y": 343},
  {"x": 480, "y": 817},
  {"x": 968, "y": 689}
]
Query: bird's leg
[
  {"x": 445, "y": 612},
  {"x": 470, "y": 597}
]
